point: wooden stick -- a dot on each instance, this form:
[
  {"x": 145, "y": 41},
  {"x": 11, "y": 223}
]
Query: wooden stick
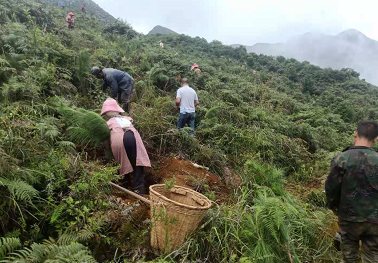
[
  {"x": 131, "y": 193},
  {"x": 288, "y": 252}
]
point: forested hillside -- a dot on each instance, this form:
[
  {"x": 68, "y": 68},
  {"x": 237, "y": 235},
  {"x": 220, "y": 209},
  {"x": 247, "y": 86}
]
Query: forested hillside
[
  {"x": 75, "y": 5},
  {"x": 274, "y": 122}
]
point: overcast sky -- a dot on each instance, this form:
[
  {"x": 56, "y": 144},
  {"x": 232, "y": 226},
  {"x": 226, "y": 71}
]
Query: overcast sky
[{"x": 248, "y": 21}]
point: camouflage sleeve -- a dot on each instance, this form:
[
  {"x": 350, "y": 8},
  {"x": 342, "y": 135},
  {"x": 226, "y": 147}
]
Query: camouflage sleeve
[{"x": 333, "y": 182}]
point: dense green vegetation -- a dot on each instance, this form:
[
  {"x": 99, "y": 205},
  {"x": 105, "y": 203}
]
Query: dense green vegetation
[{"x": 272, "y": 120}]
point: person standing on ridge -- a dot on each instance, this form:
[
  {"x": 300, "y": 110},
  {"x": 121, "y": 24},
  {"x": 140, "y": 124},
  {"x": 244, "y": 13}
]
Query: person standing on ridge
[
  {"x": 126, "y": 144},
  {"x": 84, "y": 9},
  {"x": 121, "y": 84},
  {"x": 70, "y": 20},
  {"x": 186, "y": 102},
  {"x": 352, "y": 193}
]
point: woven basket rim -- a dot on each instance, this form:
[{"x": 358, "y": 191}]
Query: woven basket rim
[{"x": 205, "y": 207}]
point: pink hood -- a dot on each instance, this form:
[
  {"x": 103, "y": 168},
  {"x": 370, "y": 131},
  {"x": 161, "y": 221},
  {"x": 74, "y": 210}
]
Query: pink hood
[
  {"x": 195, "y": 65},
  {"x": 71, "y": 14},
  {"x": 111, "y": 105}
]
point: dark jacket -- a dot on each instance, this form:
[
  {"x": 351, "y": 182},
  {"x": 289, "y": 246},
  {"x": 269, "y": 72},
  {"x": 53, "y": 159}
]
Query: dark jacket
[
  {"x": 118, "y": 81},
  {"x": 352, "y": 185}
]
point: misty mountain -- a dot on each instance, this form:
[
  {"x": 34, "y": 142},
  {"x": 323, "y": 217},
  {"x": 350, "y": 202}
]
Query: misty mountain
[
  {"x": 349, "y": 49},
  {"x": 161, "y": 30},
  {"x": 75, "y": 6}
]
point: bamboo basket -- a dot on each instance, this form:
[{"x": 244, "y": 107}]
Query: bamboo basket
[{"x": 175, "y": 213}]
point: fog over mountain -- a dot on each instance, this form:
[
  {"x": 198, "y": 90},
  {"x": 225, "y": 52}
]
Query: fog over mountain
[{"x": 348, "y": 49}]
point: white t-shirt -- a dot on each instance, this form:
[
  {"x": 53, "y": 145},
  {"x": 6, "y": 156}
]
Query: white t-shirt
[{"x": 188, "y": 96}]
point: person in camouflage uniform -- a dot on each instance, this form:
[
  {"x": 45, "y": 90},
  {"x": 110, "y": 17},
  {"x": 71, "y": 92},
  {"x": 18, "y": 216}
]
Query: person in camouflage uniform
[{"x": 352, "y": 193}]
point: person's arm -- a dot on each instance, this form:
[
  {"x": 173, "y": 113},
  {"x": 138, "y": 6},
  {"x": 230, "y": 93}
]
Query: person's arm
[
  {"x": 196, "y": 101},
  {"x": 333, "y": 183},
  {"x": 104, "y": 86},
  {"x": 178, "y": 99},
  {"x": 113, "y": 87}
]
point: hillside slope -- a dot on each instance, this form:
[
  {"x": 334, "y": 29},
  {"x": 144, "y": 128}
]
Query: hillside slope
[
  {"x": 75, "y": 6},
  {"x": 349, "y": 49},
  {"x": 275, "y": 123}
]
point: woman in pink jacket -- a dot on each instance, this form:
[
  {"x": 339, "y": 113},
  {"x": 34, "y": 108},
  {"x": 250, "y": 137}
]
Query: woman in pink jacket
[
  {"x": 127, "y": 146},
  {"x": 70, "y": 20}
]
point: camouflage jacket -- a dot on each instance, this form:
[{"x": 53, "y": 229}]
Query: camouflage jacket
[{"x": 352, "y": 185}]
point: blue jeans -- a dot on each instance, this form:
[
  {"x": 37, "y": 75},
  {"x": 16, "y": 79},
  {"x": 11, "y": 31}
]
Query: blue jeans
[{"x": 186, "y": 119}]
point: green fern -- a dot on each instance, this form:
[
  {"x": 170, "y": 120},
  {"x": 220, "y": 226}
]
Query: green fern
[
  {"x": 67, "y": 146},
  {"x": 5, "y": 66},
  {"x": 84, "y": 126},
  {"x": 48, "y": 129},
  {"x": 69, "y": 237},
  {"x": 8, "y": 245},
  {"x": 7, "y": 162},
  {"x": 211, "y": 113},
  {"x": 271, "y": 231},
  {"x": 57, "y": 212},
  {"x": 19, "y": 190},
  {"x": 50, "y": 251},
  {"x": 265, "y": 175},
  {"x": 84, "y": 68},
  {"x": 154, "y": 73}
]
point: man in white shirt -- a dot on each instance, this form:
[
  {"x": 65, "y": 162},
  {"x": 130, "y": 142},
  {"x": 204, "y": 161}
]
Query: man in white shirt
[{"x": 186, "y": 101}]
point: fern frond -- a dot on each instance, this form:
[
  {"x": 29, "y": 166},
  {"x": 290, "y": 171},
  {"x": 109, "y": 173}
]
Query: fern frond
[
  {"x": 4, "y": 62},
  {"x": 74, "y": 253},
  {"x": 67, "y": 145},
  {"x": 57, "y": 212},
  {"x": 84, "y": 126},
  {"x": 8, "y": 245},
  {"x": 85, "y": 235},
  {"x": 211, "y": 113},
  {"x": 50, "y": 251},
  {"x": 5, "y": 66},
  {"x": 71, "y": 236},
  {"x": 20, "y": 190},
  {"x": 7, "y": 162},
  {"x": 48, "y": 129}
]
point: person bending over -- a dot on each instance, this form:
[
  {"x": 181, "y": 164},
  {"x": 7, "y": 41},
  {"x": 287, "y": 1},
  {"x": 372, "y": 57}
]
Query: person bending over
[
  {"x": 126, "y": 144},
  {"x": 121, "y": 84}
]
